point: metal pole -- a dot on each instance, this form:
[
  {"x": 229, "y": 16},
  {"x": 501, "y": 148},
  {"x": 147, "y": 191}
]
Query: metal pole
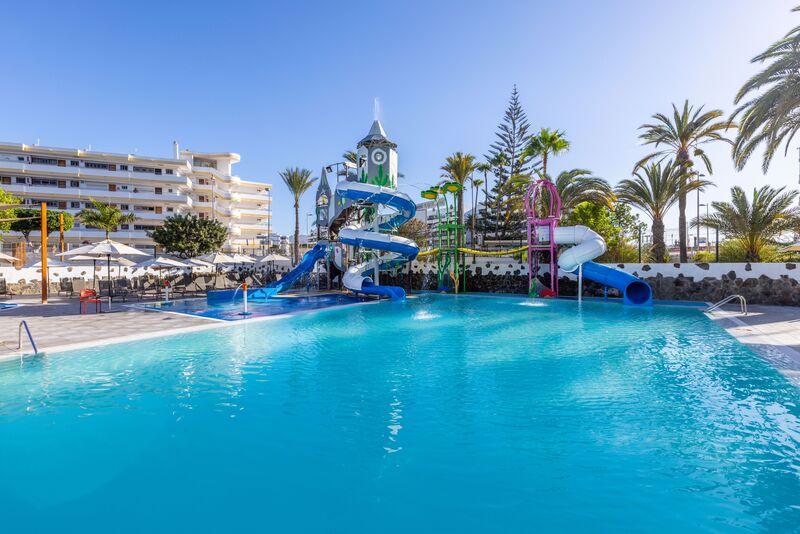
[
  {"x": 640, "y": 245},
  {"x": 697, "y": 243},
  {"x": 708, "y": 243},
  {"x": 61, "y": 231},
  {"x": 716, "y": 241},
  {"x": 44, "y": 253},
  {"x": 580, "y": 282}
]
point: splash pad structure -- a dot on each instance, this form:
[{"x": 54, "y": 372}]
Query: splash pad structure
[{"x": 543, "y": 210}]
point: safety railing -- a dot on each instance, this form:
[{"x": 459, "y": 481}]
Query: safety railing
[
  {"x": 729, "y": 298},
  {"x": 22, "y": 324}
]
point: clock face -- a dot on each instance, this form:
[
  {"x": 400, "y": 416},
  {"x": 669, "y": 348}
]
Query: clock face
[{"x": 378, "y": 156}]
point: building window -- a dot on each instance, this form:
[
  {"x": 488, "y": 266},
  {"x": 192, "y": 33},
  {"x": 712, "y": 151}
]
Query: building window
[
  {"x": 74, "y": 183},
  {"x": 62, "y": 163},
  {"x": 170, "y": 210},
  {"x": 75, "y": 205},
  {"x": 124, "y": 226},
  {"x": 95, "y": 165},
  {"x": 124, "y": 207},
  {"x": 44, "y": 181},
  {"x": 143, "y": 169},
  {"x": 74, "y": 163},
  {"x": 158, "y": 190},
  {"x": 123, "y": 167},
  {"x": 112, "y": 187},
  {"x": 112, "y": 167},
  {"x": 169, "y": 171},
  {"x": 44, "y": 161},
  {"x": 5, "y": 180},
  {"x": 158, "y": 172}
]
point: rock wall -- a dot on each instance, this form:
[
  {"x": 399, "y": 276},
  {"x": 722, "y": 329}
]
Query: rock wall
[{"x": 759, "y": 283}]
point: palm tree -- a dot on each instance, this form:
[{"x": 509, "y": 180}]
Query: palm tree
[
  {"x": 682, "y": 137},
  {"x": 298, "y": 181},
  {"x": 106, "y": 217},
  {"x": 476, "y": 184},
  {"x": 545, "y": 143},
  {"x": 754, "y": 223},
  {"x": 654, "y": 189},
  {"x": 485, "y": 168},
  {"x": 458, "y": 168},
  {"x": 578, "y": 185},
  {"x": 350, "y": 156},
  {"x": 772, "y": 116}
]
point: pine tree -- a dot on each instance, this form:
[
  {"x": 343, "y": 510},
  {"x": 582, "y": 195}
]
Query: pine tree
[{"x": 502, "y": 216}]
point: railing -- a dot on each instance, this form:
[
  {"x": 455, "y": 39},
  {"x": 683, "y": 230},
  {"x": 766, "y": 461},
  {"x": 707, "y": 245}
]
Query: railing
[
  {"x": 19, "y": 339},
  {"x": 729, "y": 298}
]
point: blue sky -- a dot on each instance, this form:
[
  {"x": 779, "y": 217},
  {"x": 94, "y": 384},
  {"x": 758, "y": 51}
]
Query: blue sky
[{"x": 292, "y": 83}]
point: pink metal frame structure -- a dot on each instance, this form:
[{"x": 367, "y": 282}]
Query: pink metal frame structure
[{"x": 533, "y": 197}]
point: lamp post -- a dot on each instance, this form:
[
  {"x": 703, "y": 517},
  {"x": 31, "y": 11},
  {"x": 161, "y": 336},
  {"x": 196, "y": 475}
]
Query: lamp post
[{"x": 708, "y": 243}]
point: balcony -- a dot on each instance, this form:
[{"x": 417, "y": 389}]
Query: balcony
[
  {"x": 76, "y": 193},
  {"x": 73, "y": 173}
]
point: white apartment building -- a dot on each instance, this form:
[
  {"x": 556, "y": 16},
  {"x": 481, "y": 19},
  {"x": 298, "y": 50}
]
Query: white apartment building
[{"x": 150, "y": 188}]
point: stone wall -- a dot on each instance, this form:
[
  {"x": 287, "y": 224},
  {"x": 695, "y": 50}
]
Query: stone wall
[{"x": 759, "y": 283}]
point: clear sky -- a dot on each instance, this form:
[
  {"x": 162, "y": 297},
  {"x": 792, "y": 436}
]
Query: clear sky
[{"x": 292, "y": 83}]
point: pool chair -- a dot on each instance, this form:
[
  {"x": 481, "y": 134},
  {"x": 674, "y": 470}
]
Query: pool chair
[
  {"x": 4, "y": 288},
  {"x": 122, "y": 289},
  {"x": 65, "y": 286},
  {"x": 85, "y": 297}
]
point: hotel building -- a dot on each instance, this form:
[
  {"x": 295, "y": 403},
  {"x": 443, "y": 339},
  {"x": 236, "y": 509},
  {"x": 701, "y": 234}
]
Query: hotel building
[{"x": 150, "y": 188}]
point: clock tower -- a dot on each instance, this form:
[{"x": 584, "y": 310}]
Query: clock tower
[{"x": 377, "y": 158}]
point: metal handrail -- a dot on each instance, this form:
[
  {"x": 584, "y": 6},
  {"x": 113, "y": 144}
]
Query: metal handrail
[{"x": 742, "y": 303}]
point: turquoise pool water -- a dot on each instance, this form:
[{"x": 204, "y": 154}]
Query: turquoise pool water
[
  {"x": 231, "y": 310},
  {"x": 435, "y": 414}
]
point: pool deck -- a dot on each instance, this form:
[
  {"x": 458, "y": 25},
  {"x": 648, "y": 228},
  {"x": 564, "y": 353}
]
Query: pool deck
[
  {"x": 58, "y": 325},
  {"x": 772, "y": 332}
]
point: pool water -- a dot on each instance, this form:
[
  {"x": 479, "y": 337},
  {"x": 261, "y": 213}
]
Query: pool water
[
  {"x": 436, "y": 414},
  {"x": 232, "y": 310}
]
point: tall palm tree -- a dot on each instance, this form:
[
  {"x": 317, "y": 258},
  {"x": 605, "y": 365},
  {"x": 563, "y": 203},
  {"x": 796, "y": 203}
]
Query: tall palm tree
[
  {"x": 458, "y": 168},
  {"x": 681, "y": 137},
  {"x": 484, "y": 167},
  {"x": 350, "y": 156},
  {"x": 476, "y": 184},
  {"x": 298, "y": 181},
  {"x": 544, "y": 144},
  {"x": 578, "y": 185},
  {"x": 773, "y": 116},
  {"x": 754, "y": 223},
  {"x": 654, "y": 189},
  {"x": 106, "y": 217}
]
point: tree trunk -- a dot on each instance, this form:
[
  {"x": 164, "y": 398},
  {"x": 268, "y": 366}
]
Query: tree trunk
[
  {"x": 296, "y": 250},
  {"x": 474, "y": 213},
  {"x": 659, "y": 247},
  {"x": 544, "y": 165},
  {"x": 485, "y": 206}
]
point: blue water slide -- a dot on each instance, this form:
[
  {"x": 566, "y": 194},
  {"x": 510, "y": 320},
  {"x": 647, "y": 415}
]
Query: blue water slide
[
  {"x": 635, "y": 292},
  {"x": 305, "y": 266},
  {"x": 398, "y": 247}
]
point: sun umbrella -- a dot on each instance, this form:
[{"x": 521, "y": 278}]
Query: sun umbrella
[
  {"x": 7, "y": 258},
  {"x": 160, "y": 263},
  {"x": 53, "y": 263},
  {"x": 217, "y": 258},
  {"x": 196, "y": 262},
  {"x": 243, "y": 258},
  {"x": 107, "y": 248},
  {"x": 272, "y": 258},
  {"x": 93, "y": 259}
]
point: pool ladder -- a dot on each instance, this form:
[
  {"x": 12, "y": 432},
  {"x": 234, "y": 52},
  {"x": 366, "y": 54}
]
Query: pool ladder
[
  {"x": 729, "y": 298},
  {"x": 24, "y": 324}
]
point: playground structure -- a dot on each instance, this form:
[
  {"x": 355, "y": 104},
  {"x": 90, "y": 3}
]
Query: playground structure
[
  {"x": 450, "y": 265},
  {"x": 359, "y": 245},
  {"x": 543, "y": 211}
]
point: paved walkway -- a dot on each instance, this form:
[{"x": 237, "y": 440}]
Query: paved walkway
[
  {"x": 59, "y": 325},
  {"x": 773, "y": 332}
]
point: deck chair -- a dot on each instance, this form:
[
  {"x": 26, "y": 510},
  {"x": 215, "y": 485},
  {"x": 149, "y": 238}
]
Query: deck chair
[{"x": 4, "y": 288}]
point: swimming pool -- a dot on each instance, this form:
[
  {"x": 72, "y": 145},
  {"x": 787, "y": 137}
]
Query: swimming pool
[
  {"x": 440, "y": 413},
  {"x": 231, "y": 310}
]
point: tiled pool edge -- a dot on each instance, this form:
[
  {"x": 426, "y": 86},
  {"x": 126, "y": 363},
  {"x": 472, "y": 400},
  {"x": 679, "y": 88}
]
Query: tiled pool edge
[
  {"x": 213, "y": 324},
  {"x": 779, "y": 355}
]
